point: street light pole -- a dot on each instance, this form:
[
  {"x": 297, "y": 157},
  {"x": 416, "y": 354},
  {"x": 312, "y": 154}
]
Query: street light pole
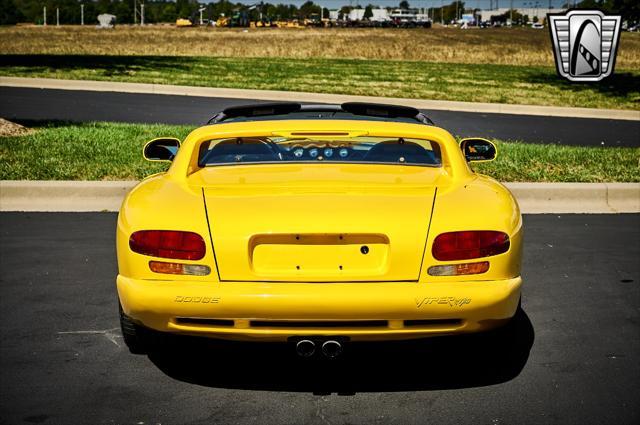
[
  {"x": 57, "y": 17},
  {"x": 135, "y": 12},
  {"x": 44, "y": 13},
  {"x": 82, "y": 14},
  {"x": 511, "y": 11},
  {"x": 142, "y": 14}
]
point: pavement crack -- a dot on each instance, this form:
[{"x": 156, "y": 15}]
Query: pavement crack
[{"x": 111, "y": 334}]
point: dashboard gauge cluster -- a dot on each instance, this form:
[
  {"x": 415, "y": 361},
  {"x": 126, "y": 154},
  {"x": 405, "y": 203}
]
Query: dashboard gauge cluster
[{"x": 320, "y": 153}]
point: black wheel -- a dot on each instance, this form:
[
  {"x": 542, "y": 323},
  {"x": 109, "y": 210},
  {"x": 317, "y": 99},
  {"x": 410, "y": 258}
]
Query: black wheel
[{"x": 132, "y": 334}]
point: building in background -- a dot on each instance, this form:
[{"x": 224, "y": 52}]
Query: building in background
[{"x": 530, "y": 12}]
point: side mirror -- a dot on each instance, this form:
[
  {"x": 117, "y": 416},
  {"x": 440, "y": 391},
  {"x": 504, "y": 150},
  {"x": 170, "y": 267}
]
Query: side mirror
[
  {"x": 477, "y": 150},
  {"x": 162, "y": 149}
]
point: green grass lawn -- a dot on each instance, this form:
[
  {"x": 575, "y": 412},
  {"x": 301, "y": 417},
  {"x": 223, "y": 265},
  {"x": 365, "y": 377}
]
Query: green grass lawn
[
  {"x": 424, "y": 80},
  {"x": 107, "y": 151}
]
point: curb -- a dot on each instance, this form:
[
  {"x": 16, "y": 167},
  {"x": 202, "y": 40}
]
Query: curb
[
  {"x": 534, "y": 198},
  {"x": 63, "y": 196},
  {"x": 587, "y": 198},
  {"x": 284, "y": 96}
]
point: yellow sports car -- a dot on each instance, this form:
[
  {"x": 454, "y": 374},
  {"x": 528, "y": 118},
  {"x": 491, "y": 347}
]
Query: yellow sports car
[{"x": 318, "y": 225}]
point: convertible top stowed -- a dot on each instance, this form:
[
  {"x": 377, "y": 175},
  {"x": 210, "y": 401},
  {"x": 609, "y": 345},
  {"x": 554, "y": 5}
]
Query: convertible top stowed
[{"x": 294, "y": 110}]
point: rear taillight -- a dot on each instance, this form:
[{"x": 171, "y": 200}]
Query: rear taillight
[
  {"x": 470, "y": 244},
  {"x": 168, "y": 244}
]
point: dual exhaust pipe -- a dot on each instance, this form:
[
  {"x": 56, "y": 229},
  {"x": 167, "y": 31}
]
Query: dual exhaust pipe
[{"x": 307, "y": 348}]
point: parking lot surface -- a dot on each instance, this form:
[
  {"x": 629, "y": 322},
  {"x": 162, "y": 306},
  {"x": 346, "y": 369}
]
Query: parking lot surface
[
  {"x": 575, "y": 361},
  {"x": 37, "y": 106}
]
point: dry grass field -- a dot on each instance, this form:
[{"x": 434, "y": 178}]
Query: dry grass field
[
  {"x": 517, "y": 46},
  {"x": 494, "y": 65}
]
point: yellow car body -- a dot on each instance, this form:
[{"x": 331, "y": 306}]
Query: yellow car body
[{"x": 284, "y": 243}]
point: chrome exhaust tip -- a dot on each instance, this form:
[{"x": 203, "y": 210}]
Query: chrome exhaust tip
[
  {"x": 305, "y": 348},
  {"x": 331, "y": 349}
]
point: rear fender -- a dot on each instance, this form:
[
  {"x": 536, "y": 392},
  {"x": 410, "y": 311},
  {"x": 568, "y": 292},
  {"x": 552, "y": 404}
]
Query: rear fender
[
  {"x": 480, "y": 204},
  {"x": 160, "y": 203}
]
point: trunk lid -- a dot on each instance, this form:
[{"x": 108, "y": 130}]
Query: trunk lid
[{"x": 329, "y": 223}]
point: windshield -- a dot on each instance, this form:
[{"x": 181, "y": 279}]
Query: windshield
[{"x": 384, "y": 150}]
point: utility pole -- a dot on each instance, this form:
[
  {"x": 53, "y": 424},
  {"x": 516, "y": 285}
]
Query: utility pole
[
  {"x": 135, "y": 12},
  {"x": 441, "y": 12},
  {"x": 142, "y": 14},
  {"x": 57, "y": 17},
  {"x": 511, "y": 11},
  {"x": 82, "y": 14},
  {"x": 44, "y": 13}
]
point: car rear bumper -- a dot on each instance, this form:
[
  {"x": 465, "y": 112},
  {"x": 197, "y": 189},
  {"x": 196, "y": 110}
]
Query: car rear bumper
[{"x": 358, "y": 311}]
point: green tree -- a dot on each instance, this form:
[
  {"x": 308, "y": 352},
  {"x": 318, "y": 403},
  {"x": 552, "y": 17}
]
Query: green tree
[
  {"x": 186, "y": 8},
  {"x": 344, "y": 11},
  {"x": 9, "y": 13},
  {"x": 308, "y": 8},
  {"x": 123, "y": 12},
  {"x": 169, "y": 13},
  {"x": 368, "y": 12},
  {"x": 628, "y": 9}
]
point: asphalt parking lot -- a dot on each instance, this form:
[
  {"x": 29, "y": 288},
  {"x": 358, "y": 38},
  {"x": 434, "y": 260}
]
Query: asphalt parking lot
[
  {"x": 62, "y": 359},
  {"x": 34, "y": 107}
]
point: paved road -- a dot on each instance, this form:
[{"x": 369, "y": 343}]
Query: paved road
[
  {"x": 576, "y": 359},
  {"x": 24, "y": 104}
]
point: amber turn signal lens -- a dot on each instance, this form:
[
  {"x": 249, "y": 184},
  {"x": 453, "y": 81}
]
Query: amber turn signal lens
[
  {"x": 178, "y": 268},
  {"x": 459, "y": 269}
]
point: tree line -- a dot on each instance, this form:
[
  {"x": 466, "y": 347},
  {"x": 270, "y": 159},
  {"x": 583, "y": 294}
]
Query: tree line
[{"x": 155, "y": 11}]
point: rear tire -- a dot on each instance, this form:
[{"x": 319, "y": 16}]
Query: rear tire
[{"x": 132, "y": 334}]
